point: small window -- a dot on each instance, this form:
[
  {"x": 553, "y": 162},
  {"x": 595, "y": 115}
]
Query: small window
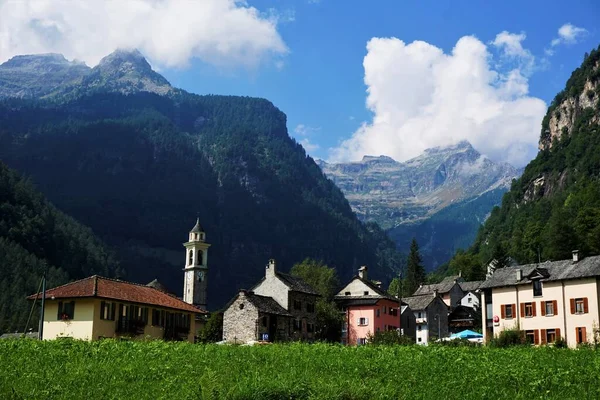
[
  {"x": 419, "y": 340},
  {"x": 310, "y": 307},
  {"x": 297, "y": 305},
  {"x": 377, "y": 312},
  {"x": 581, "y": 335},
  {"x": 107, "y": 311},
  {"x": 419, "y": 328},
  {"x": 361, "y": 341},
  {"x": 579, "y": 306},
  {"x": 191, "y": 257},
  {"x": 537, "y": 288},
  {"x": 366, "y": 293},
  {"x": 362, "y": 321},
  {"x": 469, "y": 299},
  {"x": 310, "y": 328},
  {"x": 384, "y": 309},
  {"x": 66, "y": 310},
  {"x": 297, "y": 325},
  {"x": 529, "y": 310},
  {"x": 199, "y": 256},
  {"x": 549, "y": 308},
  {"x": 241, "y": 306},
  {"x": 508, "y": 311},
  {"x": 420, "y": 315},
  {"x": 550, "y": 335},
  {"x": 347, "y": 294},
  {"x": 530, "y": 337}
]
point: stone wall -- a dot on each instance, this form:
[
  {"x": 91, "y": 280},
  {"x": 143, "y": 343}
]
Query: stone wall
[
  {"x": 305, "y": 317},
  {"x": 240, "y": 321}
]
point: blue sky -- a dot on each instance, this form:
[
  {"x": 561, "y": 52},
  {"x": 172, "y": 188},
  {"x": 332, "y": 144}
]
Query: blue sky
[
  {"x": 321, "y": 84},
  {"x": 354, "y": 77}
]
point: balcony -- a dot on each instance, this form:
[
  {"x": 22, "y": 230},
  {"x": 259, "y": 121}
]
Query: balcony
[{"x": 421, "y": 320}]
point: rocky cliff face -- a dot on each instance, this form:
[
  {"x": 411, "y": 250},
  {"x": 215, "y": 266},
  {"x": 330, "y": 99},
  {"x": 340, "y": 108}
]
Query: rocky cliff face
[
  {"x": 52, "y": 76},
  {"x": 393, "y": 193}
]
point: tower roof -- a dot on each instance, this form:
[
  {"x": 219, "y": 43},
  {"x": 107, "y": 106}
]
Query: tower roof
[{"x": 197, "y": 227}]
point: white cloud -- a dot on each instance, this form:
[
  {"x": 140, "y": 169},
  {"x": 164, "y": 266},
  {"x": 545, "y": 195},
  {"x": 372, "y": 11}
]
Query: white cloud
[
  {"x": 169, "y": 32},
  {"x": 568, "y": 34},
  {"x": 512, "y": 49},
  {"x": 304, "y": 130},
  {"x": 308, "y": 146},
  {"x": 423, "y": 98}
]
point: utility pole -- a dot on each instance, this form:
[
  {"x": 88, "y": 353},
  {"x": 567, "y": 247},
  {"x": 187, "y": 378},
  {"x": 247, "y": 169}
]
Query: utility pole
[
  {"x": 41, "y": 326},
  {"x": 400, "y": 301}
]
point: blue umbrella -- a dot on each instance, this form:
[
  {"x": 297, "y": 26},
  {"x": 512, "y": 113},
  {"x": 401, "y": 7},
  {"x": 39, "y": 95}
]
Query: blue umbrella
[{"x": 466, "y": 334}]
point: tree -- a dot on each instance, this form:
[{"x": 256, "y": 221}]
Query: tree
[
  {"x": 326, "y": 283},
  {"x": 213, "y": 330},
  {"x": 468, "y": 265},
  {"x": 415, "y": 271}
]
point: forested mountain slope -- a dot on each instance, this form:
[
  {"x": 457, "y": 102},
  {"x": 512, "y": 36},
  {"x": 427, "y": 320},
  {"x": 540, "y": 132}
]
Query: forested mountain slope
[
  {"x": 34, "y": 234},
  {"x": 137, "y": 167},
  {"x": 554, "y": 207}
]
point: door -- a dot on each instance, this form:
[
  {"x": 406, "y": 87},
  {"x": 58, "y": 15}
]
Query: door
[{"x": 272, "y": 327}]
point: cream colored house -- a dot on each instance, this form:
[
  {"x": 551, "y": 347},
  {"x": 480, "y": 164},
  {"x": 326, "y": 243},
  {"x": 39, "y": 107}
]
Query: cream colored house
[
  {"x": 96, "y": 307},
  {"x": 547, "y": 301}
]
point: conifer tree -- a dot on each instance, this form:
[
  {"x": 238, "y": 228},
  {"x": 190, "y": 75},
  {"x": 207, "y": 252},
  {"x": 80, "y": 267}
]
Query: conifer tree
[{"x": 415, "y": 271}]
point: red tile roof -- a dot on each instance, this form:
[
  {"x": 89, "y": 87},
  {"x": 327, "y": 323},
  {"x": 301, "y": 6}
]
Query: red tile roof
[{"x": 97, "y": 286}]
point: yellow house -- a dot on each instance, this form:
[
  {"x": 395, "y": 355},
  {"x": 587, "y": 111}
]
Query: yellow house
[
  {"x": 96, "y": 307},
  {"x": 547, "y": 301}
]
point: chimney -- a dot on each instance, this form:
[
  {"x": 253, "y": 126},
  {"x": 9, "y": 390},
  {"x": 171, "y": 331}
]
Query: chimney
[
  {"x": 271, "y": 268},
  {"x": 362, "y": 272},
  {"x": 460, "y": 274},
  {"x": 519, "y": 275},
  {"x": 378, "y": 284},
  {"x": 435, "y": 293},
  {"x": 575, "y": 256}
]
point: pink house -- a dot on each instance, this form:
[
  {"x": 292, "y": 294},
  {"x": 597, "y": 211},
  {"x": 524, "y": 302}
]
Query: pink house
[{"x": 369, "y": 309}]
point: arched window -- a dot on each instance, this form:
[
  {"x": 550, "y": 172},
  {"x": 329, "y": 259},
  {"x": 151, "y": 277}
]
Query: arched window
[
  {"x": 195, "y": 236},
  {"x": 199, "y": 257},
  {"x": 191, "y": 258}
]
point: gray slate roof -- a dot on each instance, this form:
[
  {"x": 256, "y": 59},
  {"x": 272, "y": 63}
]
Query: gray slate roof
[
  {"x": 417, "y": 303},
  {"x": 294, "y": 283},
  {"x": 470, "y": 286},
  {"x": 197, "y": 228},
  {"x": 443, "y": 287},
  {"x": 266, "y": 304},
  {"x": 378, "y": 293},
  {"x": 550, "y": 270}
]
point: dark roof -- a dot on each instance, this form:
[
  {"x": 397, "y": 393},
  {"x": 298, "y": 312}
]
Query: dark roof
[
  {"x": 97, "y": 286},
  {"x": 549, "y": 271},
  {"x": 418, "y": 302},
  {"x": 361, "y": 300},
  {"x": 379, "y": 293},
  {"x": 264, "y": 304},
  {"x": 294, "y": 283},
  {"x": 157, "y": 285},
  {"x": 443, "y": 287},
  {"x": 470, "y": 286},
  {"x": 461, "y": 313},
  {"x": 28, "y": 335},
  {"x": 197, "y": 228}
]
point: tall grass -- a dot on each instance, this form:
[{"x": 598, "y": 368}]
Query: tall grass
[{"x": 156, "y": 370}]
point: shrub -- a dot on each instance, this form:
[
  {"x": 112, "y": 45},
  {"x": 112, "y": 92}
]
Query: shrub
[
  {"x": 508, "y": 338},
  {"x": 389, "y": 338}
]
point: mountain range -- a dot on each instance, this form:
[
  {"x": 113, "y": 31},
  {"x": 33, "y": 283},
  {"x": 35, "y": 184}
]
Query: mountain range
[
  {"x": 136, "y": 160},
  {"x": 440, "y": 197}
]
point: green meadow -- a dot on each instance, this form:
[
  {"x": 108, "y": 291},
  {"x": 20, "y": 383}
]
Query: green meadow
[{"x": 110, "y": 369}]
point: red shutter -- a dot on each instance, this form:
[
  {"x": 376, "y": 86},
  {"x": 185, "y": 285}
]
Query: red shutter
[
  {"x": 543, "y": 307},
  {"x": 585, "y": 305},
  {"x": 533, "y": 309},
  {"x": 555, "y": 306},
  {"x": 536, "y": 336},
  {"x": 577, "y": 335},
  {"x": 522, "y": 310},
  {"x": 583, "y": 335},
  {"x": 503, "y": 311},
  {"x": 557, "y": 333},
  {"x": 543, "y": 333},
  {"x": 572, "y": 306}
]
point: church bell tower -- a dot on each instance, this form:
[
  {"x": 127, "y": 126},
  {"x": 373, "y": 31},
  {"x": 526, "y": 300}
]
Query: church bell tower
[{"x": 196, "y": 267}]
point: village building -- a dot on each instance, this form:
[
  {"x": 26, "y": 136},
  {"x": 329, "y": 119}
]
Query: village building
[
  {"x": 431, "y": 316},
  {"x": 369, "y": 310},
  {"x": 449, "y": 289},
  {"x": 547, "y": 301},
  {"x": 461, "y": 318},
  {"x": 279, "y": 307},
  {"x": 97, "y": 307}
]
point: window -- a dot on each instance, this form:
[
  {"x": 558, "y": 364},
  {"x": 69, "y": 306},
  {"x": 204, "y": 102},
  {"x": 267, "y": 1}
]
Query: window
[
  {"x": 537, "y": 288},
  {"x": 579, "y": 306},
  {"x": 107, "y": 311},
  {"x": 528, "y": 310},
  {"x": 347, "y": 294},
  {"x": 419, "y": 340},
  {"x": 469, "y": 299},
  {"x": 377, "y": 313},
  {"x": 361, "y": 341},
  {"x": 158, "y": 317},
  {"x": 420, "y": 315},
  {"x": 580, "y": 335},
  {"x": 310, "y": 307},
  {"x": 394, "y": 312},
  {"x": 191, "y": 257},
  {"x": 507, "y": 311},
  {"x": 199, "y": 255},
  {"x": 530, "y": 337},
  {"x": 419, "y": 328},
  {"x": 297, "y": 325},
  {"x": 366, "y": 293},
  {"x": 384, "y": 309},
  {"x": 66, "y": 310},
  {"x": 550, "y": 335},
  {"x": 362, "y": 321},
  {"x": 549, "y": 308},
  {"x": 297, "y": 305},
  {"x": 310, "y": 328}
]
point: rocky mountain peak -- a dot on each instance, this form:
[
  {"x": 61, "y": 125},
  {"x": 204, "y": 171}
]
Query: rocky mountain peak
[{"x": 380, "y": 159}]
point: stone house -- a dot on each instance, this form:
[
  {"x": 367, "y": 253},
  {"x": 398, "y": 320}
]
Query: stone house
[
  {"x": 431, "y": 316},
  {"x": 293, "y": 295},
  {"x": 449, "y": 289},
  {"x": 368, "y": 310},
  {"x": 547, "y": 301}
]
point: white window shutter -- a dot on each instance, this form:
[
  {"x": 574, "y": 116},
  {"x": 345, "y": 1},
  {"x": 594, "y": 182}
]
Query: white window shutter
[
  {"x": 366, "y": 321},
  {"x": 358, "y": 321}
]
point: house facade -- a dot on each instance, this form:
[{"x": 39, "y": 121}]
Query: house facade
[
  {"x": 431, "y": 317},
  {"x": 547, "y": 301},
  {"x": 449, "y": 290},
  {"x": 471, "y": 294},
  {"x": 97, "y": 307},
  {"x": 293, "y": 295},
  {"x": 369, "y": 310}
]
